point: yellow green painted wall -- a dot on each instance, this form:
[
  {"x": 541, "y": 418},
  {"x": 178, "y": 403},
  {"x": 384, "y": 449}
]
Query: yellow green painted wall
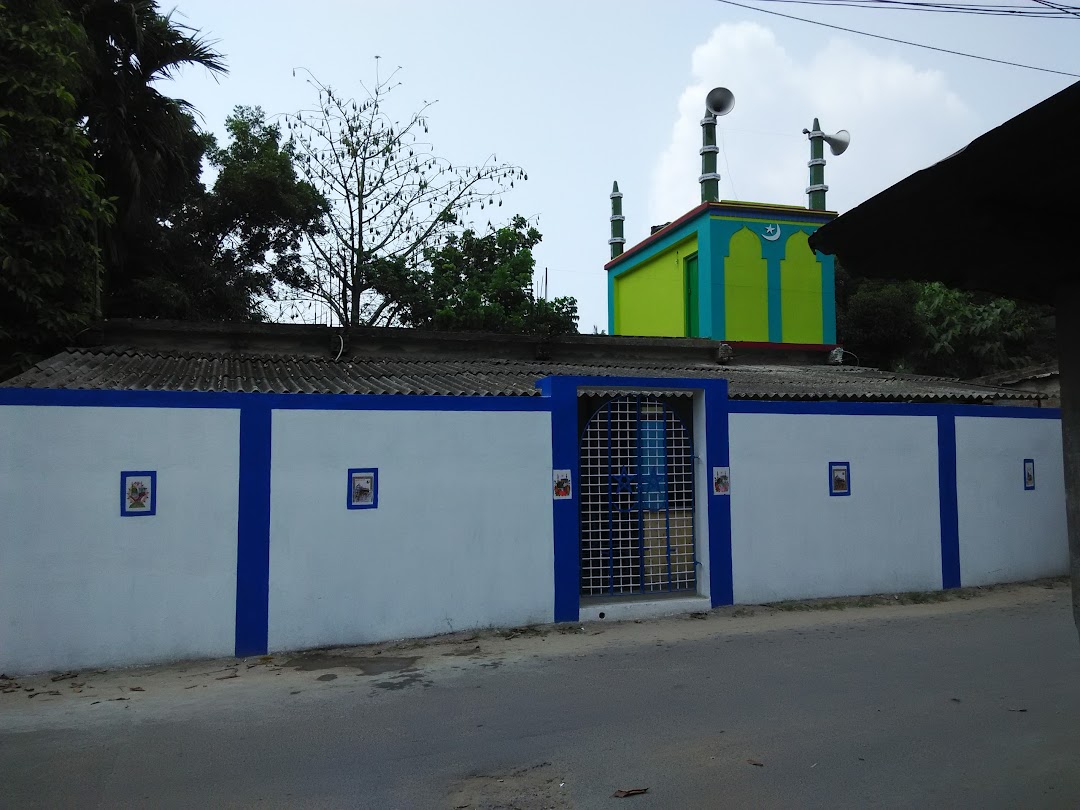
[
  {"x": 651, "y": 298},
  {"x": 746, "y": 289},
  {"x": 800, "y": 292}
]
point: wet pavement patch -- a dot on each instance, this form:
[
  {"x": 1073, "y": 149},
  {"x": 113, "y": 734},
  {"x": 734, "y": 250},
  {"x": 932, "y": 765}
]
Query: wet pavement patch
[
  {"x": 540, "y": 787},
  {"x": 402, "y": 681},
  {"x": 367, "y": 666}
]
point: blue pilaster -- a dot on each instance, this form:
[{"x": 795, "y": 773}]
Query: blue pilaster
[
  {"x": 717, "y": 454},
  {"x": 562, "y": 394},
  {"x": 253, "y": 531},
  {"x": 947, "y": 502}
]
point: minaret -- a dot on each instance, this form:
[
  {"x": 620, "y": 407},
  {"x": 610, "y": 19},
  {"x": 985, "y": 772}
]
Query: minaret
[
  {"x": 617, "y": 239},
  {"x": 719, "y": 101},
  {"x": 817, "y": 187},
  {"x": 710, "y": 179}
]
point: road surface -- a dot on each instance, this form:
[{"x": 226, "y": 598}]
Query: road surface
[{"x": 971, "y": 702}]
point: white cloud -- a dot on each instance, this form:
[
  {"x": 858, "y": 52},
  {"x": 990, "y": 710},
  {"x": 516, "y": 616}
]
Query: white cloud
[{"x": 901, "y": 119}]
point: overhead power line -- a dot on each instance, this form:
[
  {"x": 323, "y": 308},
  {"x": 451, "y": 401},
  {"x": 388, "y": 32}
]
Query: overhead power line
[
  {"x": 1050, "y": 11},
  {"x": 901, "y": 41},
  {"x": 1070, "y": 10}
]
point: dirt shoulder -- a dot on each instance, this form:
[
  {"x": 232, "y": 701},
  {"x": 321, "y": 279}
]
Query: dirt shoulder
[{"x": 378, "y": 670}]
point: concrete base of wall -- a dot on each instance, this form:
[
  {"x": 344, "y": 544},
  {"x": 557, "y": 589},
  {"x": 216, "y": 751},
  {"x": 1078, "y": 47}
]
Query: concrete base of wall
[{"x": 643, "y": 609}]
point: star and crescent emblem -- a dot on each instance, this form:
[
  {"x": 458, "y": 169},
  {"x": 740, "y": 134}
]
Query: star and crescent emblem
[{"x": 772, "y": 233}]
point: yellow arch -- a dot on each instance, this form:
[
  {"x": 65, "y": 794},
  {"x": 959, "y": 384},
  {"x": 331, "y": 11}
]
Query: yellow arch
[
  {"x": 800, "y": 292},
  {"x": 746, "y": 289}
]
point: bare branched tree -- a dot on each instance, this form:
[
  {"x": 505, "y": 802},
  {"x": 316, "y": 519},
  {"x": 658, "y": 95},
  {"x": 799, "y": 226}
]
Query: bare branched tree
[{"x": 390, "y": 198}]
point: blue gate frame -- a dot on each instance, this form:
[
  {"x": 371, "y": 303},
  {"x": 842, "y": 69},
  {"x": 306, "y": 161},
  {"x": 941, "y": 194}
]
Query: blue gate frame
[{"x": 637, "y": 500}]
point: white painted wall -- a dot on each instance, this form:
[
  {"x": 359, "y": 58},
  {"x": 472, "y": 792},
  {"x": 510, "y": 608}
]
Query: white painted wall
[
  {"x": 82, "y": 586},
  {"x": 792, "y": 540},
  {"x": 462, "y": 536},
  {"x": 1008, "y": 533}
]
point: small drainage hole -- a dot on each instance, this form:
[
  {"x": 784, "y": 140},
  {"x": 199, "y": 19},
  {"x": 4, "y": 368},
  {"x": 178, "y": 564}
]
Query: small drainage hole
[{"x": 602, "y": 614}]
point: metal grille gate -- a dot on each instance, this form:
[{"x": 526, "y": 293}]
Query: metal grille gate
[{"x": 637, "y": 500}]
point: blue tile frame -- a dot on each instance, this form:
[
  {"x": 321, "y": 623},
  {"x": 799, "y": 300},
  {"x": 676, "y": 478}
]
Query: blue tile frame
[
  {"x": 846, "y": 467},
  {"x": 374, "y": 485},
  {"x": 559, "y": 397},
  {"x": 152, "y": 510}
]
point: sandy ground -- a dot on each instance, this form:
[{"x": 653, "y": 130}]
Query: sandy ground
[{"x": 70, "y": 699}]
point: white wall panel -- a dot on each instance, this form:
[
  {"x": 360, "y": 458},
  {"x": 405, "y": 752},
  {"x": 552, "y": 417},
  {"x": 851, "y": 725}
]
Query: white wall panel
[{"x": 461, "y": 538}]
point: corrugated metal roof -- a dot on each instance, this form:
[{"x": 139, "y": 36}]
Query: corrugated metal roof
[{"x": 118, "y": 368}]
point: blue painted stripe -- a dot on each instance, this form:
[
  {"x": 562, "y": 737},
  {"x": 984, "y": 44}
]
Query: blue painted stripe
[
  {"x": 561, "y": 392},
  {"x": 950, "y": 517},
  {"x": 717, "y": 454},
  {"x": 611, "y": 304},
  {"x": 229, "y": 399},
  {"x": 424, "y": 402},
  {"x": 253, "y": 533},
  {"x": 892, "y": 409}
]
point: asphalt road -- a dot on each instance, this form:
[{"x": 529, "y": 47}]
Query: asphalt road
[{"x": 971, "y": 704}]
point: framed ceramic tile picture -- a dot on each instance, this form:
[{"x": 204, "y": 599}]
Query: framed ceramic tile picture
[
  {"x": 839, "y": 478},
  {"x": 721, "y": 480},
  {"x": 561, "y": 487},
  {"x": 1029, "y": 473},
  {"x": 363, "y": 488},
  {"x": 138, "y": 493}
]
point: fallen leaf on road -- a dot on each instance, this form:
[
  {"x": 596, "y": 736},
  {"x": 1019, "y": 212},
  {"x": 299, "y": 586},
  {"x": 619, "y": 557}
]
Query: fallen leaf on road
[
  {"x": 755, "y": 763},
  {"x": 622, "y": 794},
  {"x": 955, "y": 700},
  {"x": 119, "y": 698},
  {"x": 193, "y": 686},
  {"x": 136, "y": 689},
  {"x": 95, "y": 703},
  {"x": 1017, "y": 710},
  {"x": 226, "y": 677},
  {"x": 65, "y": 676},
  {"x": 53, "y": 692}
]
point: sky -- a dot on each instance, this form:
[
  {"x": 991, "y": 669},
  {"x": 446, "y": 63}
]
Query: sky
[{"x": 587, "y": 92}]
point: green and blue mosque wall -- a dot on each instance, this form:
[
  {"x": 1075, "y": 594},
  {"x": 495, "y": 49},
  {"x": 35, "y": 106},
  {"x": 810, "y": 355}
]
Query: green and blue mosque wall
[{"x": 728, "y": 271}]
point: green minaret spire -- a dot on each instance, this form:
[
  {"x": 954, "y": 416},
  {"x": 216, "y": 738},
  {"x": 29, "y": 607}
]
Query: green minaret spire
[
  {"x": 838, "y": 144},
  {"x": 617, "y": 239},
  {"x": 710, "y": 179},
  {"x": 817, "y": 187}
]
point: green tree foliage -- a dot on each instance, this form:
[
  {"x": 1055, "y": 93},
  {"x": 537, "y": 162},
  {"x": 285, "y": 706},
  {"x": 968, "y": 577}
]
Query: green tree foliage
[
  {"x": 878, "y": 322},
  {"x": 219, "y": 254},
  {"x": 969, "y": 335},
  {"x": 391, "y": 199},
  {"x": 482, "y": 283},
  {"x": 928, "y": 328},
  {"x": 50, "y": 200}
]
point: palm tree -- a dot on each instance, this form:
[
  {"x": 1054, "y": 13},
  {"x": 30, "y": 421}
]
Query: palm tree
[{"x": 145, "y": 144}]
